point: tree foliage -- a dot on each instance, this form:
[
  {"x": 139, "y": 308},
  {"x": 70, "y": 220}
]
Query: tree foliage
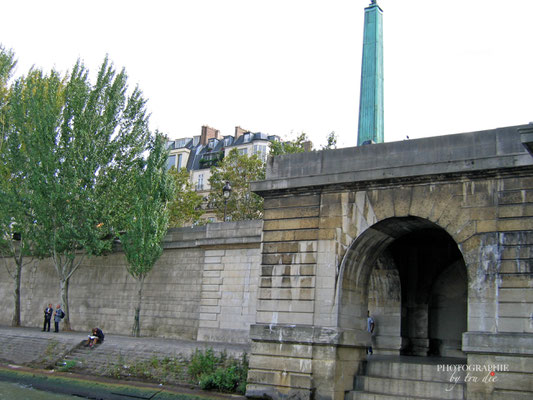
[
  {"x": 239, "y": 171},
  {"x": 72, "y": 142},
  {"x": 331, "y": 141},
  {"x": 185, "y": 207},
  {"x": 7, "y": 66},
  {"x": 146, "y": 221},
  {"x": 9, "y": 212},
  {"x": 18, "y": 120},
  {"x": 289, "y": 147}
]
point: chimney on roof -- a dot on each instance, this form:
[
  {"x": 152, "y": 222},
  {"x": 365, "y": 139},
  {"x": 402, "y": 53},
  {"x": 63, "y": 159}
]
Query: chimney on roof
[
  {"x": 208, "y": 133},
  {"x": 239, "y": 132}
]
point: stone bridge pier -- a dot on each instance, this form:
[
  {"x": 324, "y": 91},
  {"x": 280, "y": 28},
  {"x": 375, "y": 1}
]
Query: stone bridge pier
[{"x": 433, "y": 237}]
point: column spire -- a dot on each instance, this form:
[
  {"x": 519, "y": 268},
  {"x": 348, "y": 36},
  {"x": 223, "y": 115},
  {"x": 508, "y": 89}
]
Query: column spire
[{"x": 370, "y": 128}]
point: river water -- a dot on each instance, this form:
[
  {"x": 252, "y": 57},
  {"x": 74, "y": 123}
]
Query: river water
[{"x": 15, "y": 391}]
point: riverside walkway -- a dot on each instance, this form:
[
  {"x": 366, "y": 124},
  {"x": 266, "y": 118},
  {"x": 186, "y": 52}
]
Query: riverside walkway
[{"x": 32, "y": 347}]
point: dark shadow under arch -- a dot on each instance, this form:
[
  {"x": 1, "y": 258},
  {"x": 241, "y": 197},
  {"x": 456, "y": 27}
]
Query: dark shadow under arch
[{"x": 410, "y": 273}]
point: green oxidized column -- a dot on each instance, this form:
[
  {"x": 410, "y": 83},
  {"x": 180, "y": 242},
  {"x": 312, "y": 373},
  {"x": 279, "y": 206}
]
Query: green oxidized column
[{"x": 371, "y": 99}]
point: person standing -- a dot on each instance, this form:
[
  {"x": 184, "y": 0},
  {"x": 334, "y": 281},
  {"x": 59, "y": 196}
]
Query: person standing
[
  {"x": 370, "y": 325},
  {"x": 47, "y": 317},
  {"x": 58, "y": 316}
]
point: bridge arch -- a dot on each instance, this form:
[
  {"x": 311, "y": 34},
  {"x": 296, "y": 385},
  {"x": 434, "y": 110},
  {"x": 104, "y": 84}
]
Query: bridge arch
[{"x": 411, "y": 275}]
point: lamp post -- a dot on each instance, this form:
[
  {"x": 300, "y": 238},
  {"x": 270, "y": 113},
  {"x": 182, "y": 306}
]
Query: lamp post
[{"x": 226, "y": 191}]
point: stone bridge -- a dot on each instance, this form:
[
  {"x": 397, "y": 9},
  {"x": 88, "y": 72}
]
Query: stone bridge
[{"x": 433, "y": 236}]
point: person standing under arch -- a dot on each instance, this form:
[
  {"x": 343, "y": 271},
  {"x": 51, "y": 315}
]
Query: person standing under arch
[{"x": 370, "y": 325}]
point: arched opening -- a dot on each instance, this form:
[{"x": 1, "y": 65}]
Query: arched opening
[{"x": 410, "y": 274}]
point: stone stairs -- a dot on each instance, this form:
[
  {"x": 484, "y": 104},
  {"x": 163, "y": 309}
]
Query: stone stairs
[
  {"x": 86, "y": 356},
  {"x": 116, "y": 357},
  {"x": 101, "y": 357},
  {"x": 402, "y": 378},
  {"x": 27, "y": 349}
]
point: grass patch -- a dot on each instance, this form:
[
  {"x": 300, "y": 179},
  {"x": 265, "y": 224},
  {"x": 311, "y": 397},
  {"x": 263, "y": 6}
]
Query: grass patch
[
  {"x": 160, "y": 370},
  {"x": 207, "y": 369},
  {"x": 67, "y": 365},
  {"x": 218, "y": 372}
]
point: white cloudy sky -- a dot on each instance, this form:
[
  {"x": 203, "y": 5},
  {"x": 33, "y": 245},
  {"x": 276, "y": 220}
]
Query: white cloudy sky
[{"x": 287, "y": 66}]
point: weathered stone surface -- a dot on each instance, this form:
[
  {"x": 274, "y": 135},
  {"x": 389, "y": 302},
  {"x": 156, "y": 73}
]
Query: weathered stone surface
[
  {"x": 473, "y": 188},
  {"x": 290, "y": 201},
  {"x": 303, "y": 234},
  {"x": 451, "y": 154},
  {"x": 290, "y": 224},
  {"x": 291, "y": 212},
  {"x": 285, "y": 294},
  {"x": 267, "y": 391},
  {"x": 185, "y": 296},
  {"x": 287, "y": 379},
  {"x": 498, "y": 343},
  {"x": 426, "y": 234}
]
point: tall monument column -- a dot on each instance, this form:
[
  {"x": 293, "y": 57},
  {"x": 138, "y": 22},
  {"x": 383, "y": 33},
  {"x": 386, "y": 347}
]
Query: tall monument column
[{"x": 371, "y": 99}]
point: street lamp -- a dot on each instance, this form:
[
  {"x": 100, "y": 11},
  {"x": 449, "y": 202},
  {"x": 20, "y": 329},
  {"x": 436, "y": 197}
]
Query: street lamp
[{"x": 226, "y": 191}]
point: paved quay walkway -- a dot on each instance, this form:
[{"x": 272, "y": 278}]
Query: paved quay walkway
[
  {"x": 31, "y": 346},
  {"x": 24, "y": 349}
]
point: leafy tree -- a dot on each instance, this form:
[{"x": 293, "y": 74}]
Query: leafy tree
[
  {"x": 9, "y": 248},
  {"x": 76, "y": 140},
  {"x": 146, "y": 221},
  {"x": 29, "y": 96},
  {"x": 331, "y": 141},
  {"x": 289, "y": 147},
  {"x": 15, "y": 237},
  {"x": 15, "y": 245},
  {"x": 239, "y": 171},
  {"x": 7, "y": 66},
  {"x": 185, "y": 206}
]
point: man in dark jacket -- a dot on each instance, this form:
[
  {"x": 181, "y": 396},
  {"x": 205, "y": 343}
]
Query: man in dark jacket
[{"x": 47, "y": 317}]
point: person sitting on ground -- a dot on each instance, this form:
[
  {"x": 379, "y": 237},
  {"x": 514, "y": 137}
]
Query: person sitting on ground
[{"x": 96, "y": 336}]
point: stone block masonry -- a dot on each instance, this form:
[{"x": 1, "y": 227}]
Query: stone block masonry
[
  {"x": 432, "y": 236},
  {"x": 204, "y": 287}
]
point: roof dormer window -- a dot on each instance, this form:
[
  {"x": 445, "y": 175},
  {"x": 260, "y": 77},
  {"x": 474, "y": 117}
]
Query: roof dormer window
[{"x": 212, "y": 143}]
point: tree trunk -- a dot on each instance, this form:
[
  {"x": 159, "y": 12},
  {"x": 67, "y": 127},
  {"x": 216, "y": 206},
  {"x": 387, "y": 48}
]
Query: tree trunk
[
  {"x": 64, "y": 303},
  {"x": 16, "y": 294},
  {"x": 136, "y": 330}
]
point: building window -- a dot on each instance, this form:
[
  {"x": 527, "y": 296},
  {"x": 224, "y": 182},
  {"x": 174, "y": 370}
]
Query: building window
[
  {"x": 178, "y": 143},
  {"x": 200, "y": 183},
  {"x": 180, "y": 156},
  {"x": 261, "y": 151},
  {"x": 211, "y": 144},
  {"x": 171, "y": 161},
  {"x": 243, "y": 152}
]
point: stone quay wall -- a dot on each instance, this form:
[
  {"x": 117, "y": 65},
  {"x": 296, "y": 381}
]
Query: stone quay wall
[{"x": 202, "y": 288}]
